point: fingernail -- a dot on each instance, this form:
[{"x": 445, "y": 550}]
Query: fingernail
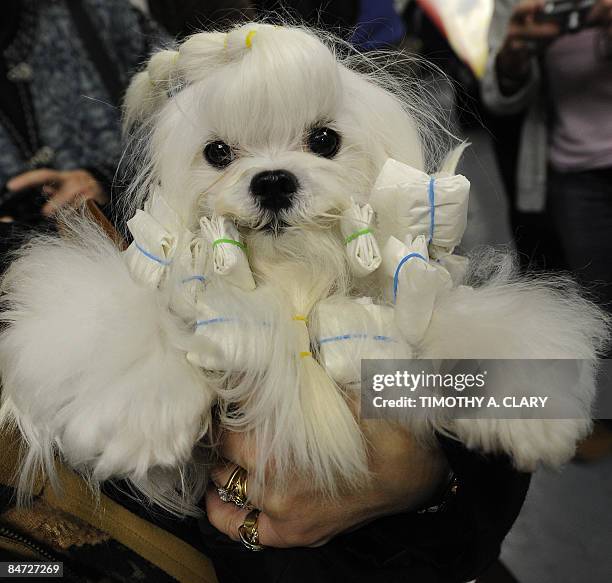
[{"x": 10, "y": 183}]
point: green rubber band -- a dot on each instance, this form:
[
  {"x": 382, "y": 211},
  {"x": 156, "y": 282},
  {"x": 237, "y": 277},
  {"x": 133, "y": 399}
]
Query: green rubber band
[
  {"x": 230, "y": 241},
  {"x": 356, "y": 234}
]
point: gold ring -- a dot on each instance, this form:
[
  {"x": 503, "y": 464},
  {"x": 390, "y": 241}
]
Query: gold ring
[
  {"x": 235, "y": 490},
  {"x": 249, "y": 533}
]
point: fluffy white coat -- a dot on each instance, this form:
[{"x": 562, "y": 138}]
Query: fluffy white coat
[{"x": 94, "y": 363}]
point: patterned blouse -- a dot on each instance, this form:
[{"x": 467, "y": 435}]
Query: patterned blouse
[{"x": 76, "y": 123}]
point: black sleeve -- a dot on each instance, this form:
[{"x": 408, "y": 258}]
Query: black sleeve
[{"x": 489, "y": 497}]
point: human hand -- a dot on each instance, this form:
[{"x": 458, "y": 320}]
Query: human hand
[
  {"x": 601, "y": 14},
  {"x": 525, "y": 35},
  {"x": 405, "y": 476},
  {"x": 62, "y": 187}
]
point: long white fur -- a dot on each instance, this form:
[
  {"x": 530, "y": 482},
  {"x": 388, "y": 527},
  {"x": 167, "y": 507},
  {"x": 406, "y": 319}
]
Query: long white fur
[
  {"x": 91, "y": 365},
  {"x": 94, "y": 365},
  {"x": 503, "y": 315}
]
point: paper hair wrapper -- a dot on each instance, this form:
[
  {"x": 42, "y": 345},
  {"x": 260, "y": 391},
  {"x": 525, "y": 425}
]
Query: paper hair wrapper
[
  {"x": 228, "y": 251},
  {"x": 226, "y": 333},
  {"x": 348, "y": 330},
  {"x": 223, "y": 338},
  {"x": 414, "y": 283},
  {"x": 356, "y": 225},
  {"x": 409, "y": 202},
  {"x": 158, "y": 232}
]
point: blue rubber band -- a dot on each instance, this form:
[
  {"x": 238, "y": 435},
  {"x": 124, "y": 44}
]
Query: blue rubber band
[
  {"x": 397, "y": 271},
  {"x": 353, "y": 336},
  {"x": 199, "y": 278},
  {"x": 151, "y": 256},
  {"x": 432, "y": 208},
  {"x": 219, "y": 320},
  {"x": 384, "y": 338},
  {"x": 341, "y": 337},
  {"x": 223, "y": 320}
]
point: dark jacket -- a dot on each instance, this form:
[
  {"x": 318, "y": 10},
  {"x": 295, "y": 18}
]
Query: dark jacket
[{"x": 46, "y": 62}]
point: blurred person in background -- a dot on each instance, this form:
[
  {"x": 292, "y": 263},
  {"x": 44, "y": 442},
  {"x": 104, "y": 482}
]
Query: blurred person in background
[
  {"x": 563, "y": 82},
  {"x": 558, "y": 83},
  {"x": 64, "y": 65},
  {"x": 562, "y": 79}
]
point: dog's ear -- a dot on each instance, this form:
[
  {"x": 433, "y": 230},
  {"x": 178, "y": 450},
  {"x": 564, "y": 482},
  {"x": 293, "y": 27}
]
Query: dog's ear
[
  {"x": 167, "y": 72},
  {"x": 148, "y": 90},
  {"x": 201, "y": 54}
]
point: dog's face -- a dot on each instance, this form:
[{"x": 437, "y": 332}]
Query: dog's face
[
  {"x": 278, "y": 134},
  {"x": 271, "y": 164}
]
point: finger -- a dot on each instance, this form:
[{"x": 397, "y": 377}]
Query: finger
[
  {"x": 33, "y": 178},
  {"x": 599, "y": 11},
  {"x": 238, "y": 448},
  {"x": 527, "y": 8},
  {"x": 226, "y": 518},
  {"x": 540, "y": 30},
  {"x": 519, "y": 45},
  {"x": 66, "y": 196},
  {"x": 272, "y": 534},
  {"x": 533, "y": 35},
  {"x": 221, "y": 473},
  {"x": 58, "y": 200},
  {"x": 284, "y": 534},
  {"x": 220, "y": 476}
]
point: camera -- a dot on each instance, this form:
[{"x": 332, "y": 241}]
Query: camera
[{"x": 569, "y": 14}]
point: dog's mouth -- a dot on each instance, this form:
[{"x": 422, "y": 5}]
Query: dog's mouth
[
  {"x": 277, "y": 224},
  {"x": 268, "y": 223},
  {"x": 274, "y": 226}
]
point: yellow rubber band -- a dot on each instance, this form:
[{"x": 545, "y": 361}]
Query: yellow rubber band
[
  {"x": 248, "y": 41},
  {"x": 299, "y": 318}
]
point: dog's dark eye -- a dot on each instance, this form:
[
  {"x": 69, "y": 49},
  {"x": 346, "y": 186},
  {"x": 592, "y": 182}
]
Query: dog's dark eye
[
  {"x": 324, "y": 142},
  {"x": 218, "y": 154}
]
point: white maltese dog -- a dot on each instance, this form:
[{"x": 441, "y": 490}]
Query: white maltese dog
[{"x": 269, "y": 164}]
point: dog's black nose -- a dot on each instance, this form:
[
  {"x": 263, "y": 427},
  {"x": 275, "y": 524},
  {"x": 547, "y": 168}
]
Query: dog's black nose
[{"x": 274, "y": 189}]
